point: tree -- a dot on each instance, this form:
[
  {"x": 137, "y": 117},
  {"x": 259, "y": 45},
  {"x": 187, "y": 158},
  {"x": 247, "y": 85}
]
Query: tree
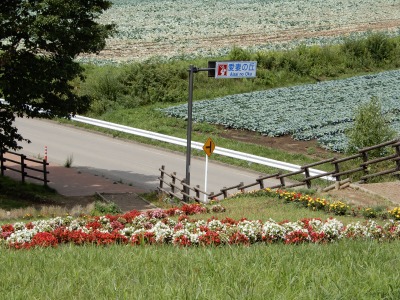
[
  {"x": 370, "y": 128},
  {"x": 39, "y": 41}
]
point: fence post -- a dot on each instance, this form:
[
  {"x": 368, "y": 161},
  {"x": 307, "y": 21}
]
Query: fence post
[
  {"x": 2, "y": 163},
  {"x": 307, "y": 174},
  {"x": 45, "y": 171},
  {"x": 184, "y": 190},
  {"x": 260, "y": 182},
  {"x": 397, "y": 147},
  {"x": 241, "y": 184},
  {"x": 365, "y": 166},
  {"x": 197, "y": 188},
  {"x": 211, "y": 196},
  {"x": 173, "y": 176},
  {"x": 225, "y": 192},
  {"x": 337, "y": 170},
  {"x": 23, "y": 168},
  {"x": 162, "y": 176},
  {"x": 282, "y": 180}
]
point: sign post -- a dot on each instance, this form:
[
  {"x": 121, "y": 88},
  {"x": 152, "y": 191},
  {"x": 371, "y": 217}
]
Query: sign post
[
  {"x": 208, "y": 148},
  {"x": 192, "y": 70},
  {"x": 223, "y": 69}
]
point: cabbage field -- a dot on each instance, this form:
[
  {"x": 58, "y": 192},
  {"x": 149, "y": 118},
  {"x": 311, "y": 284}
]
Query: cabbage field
[
  {"x": 182, "y": 28},
  {"x": 319, "y": 111}
]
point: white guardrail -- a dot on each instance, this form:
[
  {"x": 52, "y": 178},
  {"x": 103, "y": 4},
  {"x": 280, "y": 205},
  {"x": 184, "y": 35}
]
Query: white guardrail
[{"x": 199, "y": 146}]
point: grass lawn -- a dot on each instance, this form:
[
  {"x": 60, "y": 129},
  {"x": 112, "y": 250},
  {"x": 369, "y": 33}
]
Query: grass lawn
[{"x": 344, "y": 270}]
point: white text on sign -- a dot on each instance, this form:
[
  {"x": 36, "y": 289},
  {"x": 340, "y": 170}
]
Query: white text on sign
[{"x": 235, "y": 69}]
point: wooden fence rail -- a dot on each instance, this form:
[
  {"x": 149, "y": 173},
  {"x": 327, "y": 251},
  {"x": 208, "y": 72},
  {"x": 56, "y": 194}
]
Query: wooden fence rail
[
  {"x": 176, "y": 186},
  {"x": 171, "y": 185},
  {"x": 23, "y": 168}
]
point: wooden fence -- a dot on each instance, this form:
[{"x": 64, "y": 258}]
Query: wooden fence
[
  {"x": 174, "y": 187},
  {"x": 19, "y": 165}
]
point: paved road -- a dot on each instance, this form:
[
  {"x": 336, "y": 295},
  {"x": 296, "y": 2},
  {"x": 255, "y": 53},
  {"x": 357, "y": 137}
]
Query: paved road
[{"x": 133, "y": 163}]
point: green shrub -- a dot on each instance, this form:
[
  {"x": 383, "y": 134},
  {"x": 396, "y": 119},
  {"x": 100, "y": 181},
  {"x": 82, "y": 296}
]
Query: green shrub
[
  {"x": 238, "y": 53},
  {"x": 370, "y": 128},
  {"x": 380, "y": 47},
  {"x": 375, "y": 50},
  {"x": 102, "y": 208}
]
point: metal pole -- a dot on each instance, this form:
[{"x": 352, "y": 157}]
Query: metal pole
[
  {"x": 192, "y": 70},
  {"x": 2, "y": 163},
  {"x": 205, "y": 180}
]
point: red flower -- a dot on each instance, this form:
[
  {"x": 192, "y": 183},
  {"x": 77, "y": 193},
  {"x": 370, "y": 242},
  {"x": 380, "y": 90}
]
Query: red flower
[
  {"x": 239, "y": 238},
  {"x": 143, "y": 238},
  {"x": 29, "y": 225},
  {"x": 129, "y": 216},
  {"x": 93, "y": 225},
  {"x": 296, "y": 237},
  {"x": 105, "y": 238},
  {"x": 116, "y": 225},
  {"x": 229, "y": 221},
  {"x": 171, "y": 211},
  {"x": 7, "y": 228},
  {"x": 182, "y": 241},
  {"x": 210, "y": 238},
  {"x": 191, "y": 209},
  {"x": 43, "y": 239}
]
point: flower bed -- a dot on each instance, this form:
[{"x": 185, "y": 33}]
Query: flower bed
[{"x": 157, "y": 227}]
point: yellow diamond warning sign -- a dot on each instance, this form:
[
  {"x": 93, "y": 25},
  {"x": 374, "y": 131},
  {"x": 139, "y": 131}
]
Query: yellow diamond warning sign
[{"x": 209, "y": 146}]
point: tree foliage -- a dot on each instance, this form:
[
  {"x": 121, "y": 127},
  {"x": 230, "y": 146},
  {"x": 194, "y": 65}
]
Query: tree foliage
[
  {"x": 370, "y": 128},
  {"x": 39, "y": 41}
]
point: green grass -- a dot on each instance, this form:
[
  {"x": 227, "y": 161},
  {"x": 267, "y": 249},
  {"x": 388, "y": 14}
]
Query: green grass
[
  {"x": 261, "y": 207},
  {"x": 15, "y": 194},
  {"x": 344, "y": 270}
]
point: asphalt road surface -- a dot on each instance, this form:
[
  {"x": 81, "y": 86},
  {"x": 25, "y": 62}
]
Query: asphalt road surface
[{"x": 133, "y": 163}]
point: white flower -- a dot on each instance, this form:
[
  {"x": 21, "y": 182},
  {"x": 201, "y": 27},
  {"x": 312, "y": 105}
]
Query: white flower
[
  {"x": 22, "y": 236},
  {"x": 162, "y": 232},
  {"x": 332, "y": 228},
  {"x": 251, "y": 229},
  {"x": 273, "y": 230},
  {"x": 216, "y": 225},
  {"x": 19, "y": 226}
]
